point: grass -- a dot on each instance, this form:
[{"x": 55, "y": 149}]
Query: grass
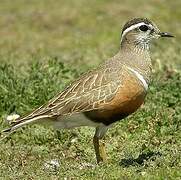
[{"x": 46, "y": 44}]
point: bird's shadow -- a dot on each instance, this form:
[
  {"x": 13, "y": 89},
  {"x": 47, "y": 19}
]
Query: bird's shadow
[{"x": 140, "y": 160}]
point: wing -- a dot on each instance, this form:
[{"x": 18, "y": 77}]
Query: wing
[{"x": 85, "y": 94}]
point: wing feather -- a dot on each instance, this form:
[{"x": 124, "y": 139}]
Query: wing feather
[{"x": 85, "y": 94}]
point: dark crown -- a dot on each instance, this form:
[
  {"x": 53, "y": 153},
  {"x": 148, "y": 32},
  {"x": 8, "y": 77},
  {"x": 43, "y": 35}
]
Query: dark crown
[{"x": 136, "y": 21}]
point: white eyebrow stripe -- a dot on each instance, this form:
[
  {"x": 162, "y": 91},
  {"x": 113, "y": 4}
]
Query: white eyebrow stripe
[
  {"x": 140, "y": 77},
  {"x": 133, "y": 27}
]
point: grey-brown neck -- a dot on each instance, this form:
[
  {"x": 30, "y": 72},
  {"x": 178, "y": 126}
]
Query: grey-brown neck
[
  {"x": 140, "y": 44},
  {"x": 136, "y": 56}
]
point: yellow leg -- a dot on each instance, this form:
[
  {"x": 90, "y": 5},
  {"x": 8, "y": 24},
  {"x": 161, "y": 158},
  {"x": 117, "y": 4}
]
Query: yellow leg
[{"x": 100, "y": 151}]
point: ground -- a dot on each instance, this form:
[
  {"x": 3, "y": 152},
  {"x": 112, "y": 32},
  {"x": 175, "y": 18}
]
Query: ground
[{"x": 46, "y": 44}]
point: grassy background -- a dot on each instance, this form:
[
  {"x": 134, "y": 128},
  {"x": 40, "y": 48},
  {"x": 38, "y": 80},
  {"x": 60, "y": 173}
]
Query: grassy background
[{"x": 46, "y": 44}]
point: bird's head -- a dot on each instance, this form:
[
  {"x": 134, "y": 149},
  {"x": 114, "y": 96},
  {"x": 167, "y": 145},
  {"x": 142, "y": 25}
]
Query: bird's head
[{"x": 140, "y": 31}]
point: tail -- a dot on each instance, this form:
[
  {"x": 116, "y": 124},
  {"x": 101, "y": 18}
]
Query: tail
[{"x": 20, "y": 122}]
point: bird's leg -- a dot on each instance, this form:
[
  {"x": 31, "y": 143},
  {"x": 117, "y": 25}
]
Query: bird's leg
[
  {"x": 100, "y": 151},
  {"x": 99, "y": 145}
]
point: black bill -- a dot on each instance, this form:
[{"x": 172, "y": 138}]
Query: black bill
[{"x": 165, "y": 34}]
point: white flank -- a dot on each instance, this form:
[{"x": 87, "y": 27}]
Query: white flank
[
  {"x": 140, "y": 77},
  {"x": 75, "y": 120},
  {"x": 134, "y": 27}
]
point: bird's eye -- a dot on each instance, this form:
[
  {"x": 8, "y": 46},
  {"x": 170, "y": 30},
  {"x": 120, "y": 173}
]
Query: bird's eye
[{"x": 143, "y": 28}]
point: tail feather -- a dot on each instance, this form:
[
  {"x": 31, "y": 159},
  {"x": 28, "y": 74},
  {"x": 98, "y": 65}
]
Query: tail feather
[
  {"x": 20, "y": 123},
  {"x": 5, "y": 133}
]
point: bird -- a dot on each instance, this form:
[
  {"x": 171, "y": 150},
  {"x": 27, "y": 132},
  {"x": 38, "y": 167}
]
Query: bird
[{"x": 106, "y": 94}]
